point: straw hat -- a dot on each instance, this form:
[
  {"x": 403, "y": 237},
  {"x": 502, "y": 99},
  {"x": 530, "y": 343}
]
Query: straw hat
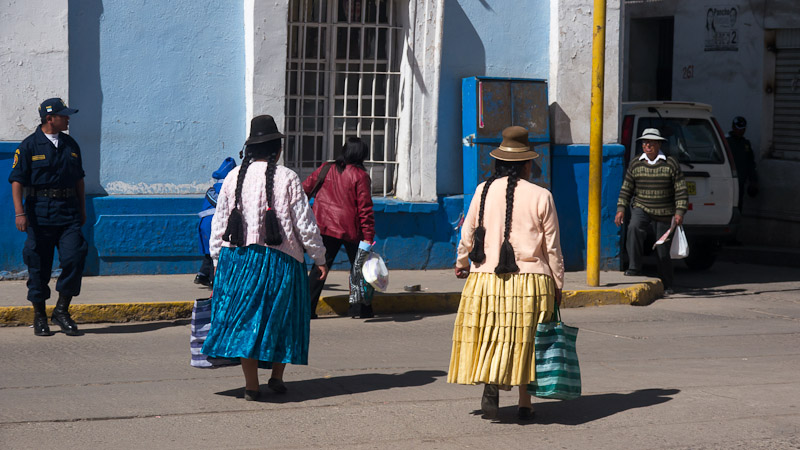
[{"x": 651, "y": 134}]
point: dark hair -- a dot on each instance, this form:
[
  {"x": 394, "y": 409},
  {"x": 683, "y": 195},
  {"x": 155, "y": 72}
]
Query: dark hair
[
  {"x": 507, "y": 262},
  {"x": 353, "y": 153},
  {"x": 234, "y": 233}
]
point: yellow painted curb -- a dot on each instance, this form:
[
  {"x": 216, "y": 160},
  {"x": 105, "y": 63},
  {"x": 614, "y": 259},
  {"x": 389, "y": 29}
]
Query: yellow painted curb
[
  {"x": 447, "y": 302},
  {"x": 103, "y": 312}
]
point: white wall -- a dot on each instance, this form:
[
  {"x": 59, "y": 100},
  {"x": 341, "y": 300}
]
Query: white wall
[
  {"x": 34, "y": 65},
  {"x": 571, "y": 70},
  {"x": 265, "y": 48}
]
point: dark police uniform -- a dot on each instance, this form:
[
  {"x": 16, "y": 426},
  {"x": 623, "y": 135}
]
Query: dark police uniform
[{"x": 50, "y": 176}]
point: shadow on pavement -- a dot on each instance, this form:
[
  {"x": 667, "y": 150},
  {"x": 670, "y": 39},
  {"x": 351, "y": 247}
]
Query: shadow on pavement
[
  {"x": 587, "y": 408},
  {"x": 142, "y": 327},
  {"x": 300, "y": 391}
]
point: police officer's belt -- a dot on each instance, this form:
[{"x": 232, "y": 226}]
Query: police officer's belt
[{"x": 54, "y": 192}]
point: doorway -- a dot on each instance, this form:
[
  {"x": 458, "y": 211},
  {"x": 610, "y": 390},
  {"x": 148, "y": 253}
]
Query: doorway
[{"x": 649, "y": 68}]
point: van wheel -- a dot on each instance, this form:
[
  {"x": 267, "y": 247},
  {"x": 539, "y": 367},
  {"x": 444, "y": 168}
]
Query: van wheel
[{"x": 701, "y": 257}]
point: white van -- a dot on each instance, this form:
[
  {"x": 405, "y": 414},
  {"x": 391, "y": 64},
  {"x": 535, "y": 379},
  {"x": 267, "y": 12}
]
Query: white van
[{"x": 696, "y": 140}]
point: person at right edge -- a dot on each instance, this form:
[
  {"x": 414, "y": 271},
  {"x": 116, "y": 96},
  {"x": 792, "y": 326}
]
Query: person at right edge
[
  {"x": 510, "y": 254},
  {"x": 655, "y": 190},
  {"x": 343, "y": 208},
  {"x": 743, "y": 158}
]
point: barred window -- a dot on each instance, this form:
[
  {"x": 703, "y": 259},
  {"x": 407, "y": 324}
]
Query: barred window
[{"x": 343, "y": 80}]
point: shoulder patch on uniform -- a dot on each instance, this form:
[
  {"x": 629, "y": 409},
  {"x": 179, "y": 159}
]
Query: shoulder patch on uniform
[
  {"x": 38, "y": 157},
  {"x": 74, "y": 155},
  {"x": 16, "y": 159}
]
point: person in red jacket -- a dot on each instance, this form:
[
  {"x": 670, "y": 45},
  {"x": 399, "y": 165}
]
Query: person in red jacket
[{"x": 343, "y": 208}]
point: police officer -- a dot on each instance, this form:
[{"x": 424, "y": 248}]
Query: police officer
[
  {"x": 743, "y": 158},
  {"x": 48, "y": 172}
]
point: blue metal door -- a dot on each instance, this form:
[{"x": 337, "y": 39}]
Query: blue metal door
[{"x": 488, "y": 106}]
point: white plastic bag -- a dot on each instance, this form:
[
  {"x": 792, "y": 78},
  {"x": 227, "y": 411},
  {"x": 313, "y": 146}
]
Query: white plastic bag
[
  {"x": 680, "y": 246},
  {"x": 375, "y": 272}
]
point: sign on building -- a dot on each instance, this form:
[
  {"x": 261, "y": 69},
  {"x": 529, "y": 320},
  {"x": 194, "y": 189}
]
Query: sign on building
[{"x": 721, "y": 33}]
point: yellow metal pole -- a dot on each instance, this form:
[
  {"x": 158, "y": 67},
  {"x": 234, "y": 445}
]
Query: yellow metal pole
[{"x": 596, "y": 144}]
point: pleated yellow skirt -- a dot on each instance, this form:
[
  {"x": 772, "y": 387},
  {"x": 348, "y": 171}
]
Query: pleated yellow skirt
[{"x": 493, "y": 336}]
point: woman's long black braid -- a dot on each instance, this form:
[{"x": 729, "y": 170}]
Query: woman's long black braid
[
  {"x": 271, "y": 223},
  {"x": 507, "y": 262},
  {"x": 477, "y": 255},
  {"x": 234, "y": 232}
]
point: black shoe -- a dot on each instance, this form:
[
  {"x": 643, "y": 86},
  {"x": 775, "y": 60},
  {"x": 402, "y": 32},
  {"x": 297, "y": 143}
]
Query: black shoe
[
  {"x": 490, "y": 402},
  {"x": 40, "y": 327},
  {"x": 62, "y": 318},
  {"x": 525, "y": 414},
  {"x": 251, "y": 396},
  {"x": 366, "y": 312},
  {"x": 354, "y": 310},
  {"x": 277, "y": 385},
  {"x": 314, "y": 316},
  {"x": 633, "y": 273},
  {"x": 668, "y": 291},
  {"x": 202, "y": 279}
]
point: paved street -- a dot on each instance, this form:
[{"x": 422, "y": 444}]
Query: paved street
[{"x": 714, "y": 366}]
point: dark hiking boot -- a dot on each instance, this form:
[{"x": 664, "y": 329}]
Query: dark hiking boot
[
  {"x": 40, "y": 327},
  {"x": 62, "y": 318}
]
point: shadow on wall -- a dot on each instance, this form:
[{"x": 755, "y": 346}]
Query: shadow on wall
[
  {"x": 85, "y": 90},
  {"x": 560, "y": 125},
  {"x": 463, "y": 56}
]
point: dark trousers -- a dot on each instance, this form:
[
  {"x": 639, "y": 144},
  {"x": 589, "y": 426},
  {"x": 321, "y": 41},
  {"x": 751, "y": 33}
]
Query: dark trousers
[
  {"x": 38, "y": 255},
  {"x": 332, "y": 246},
  {"x": 207, "y": 267},
  {"x": 640, "y": 226}
]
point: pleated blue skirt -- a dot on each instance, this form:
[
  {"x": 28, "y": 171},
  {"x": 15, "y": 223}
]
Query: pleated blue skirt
[{"x": 260, "y": 308}]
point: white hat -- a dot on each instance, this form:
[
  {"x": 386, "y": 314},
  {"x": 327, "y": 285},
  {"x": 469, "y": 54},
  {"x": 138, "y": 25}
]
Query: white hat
[
  {"x": 375, "y": 272},
  {"x": 651, "y": 134}
]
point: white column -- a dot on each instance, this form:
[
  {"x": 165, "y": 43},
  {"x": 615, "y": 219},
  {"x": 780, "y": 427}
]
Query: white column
[
  {"x": 419, "y": 100},
  {"x": 265, "y": 59},
  {"x": 35, "y": 62}
]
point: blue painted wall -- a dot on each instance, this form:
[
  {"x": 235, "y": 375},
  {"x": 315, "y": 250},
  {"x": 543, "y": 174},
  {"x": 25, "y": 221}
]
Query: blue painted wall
[
  {"x": 161, "y": 92},
  {"x": 484, "y": 38},
  {"x": 11, "y": 240},
  {"x": 571, "y": 194}
]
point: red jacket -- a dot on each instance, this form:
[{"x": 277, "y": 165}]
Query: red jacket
[{"x": 343, "y": 205}]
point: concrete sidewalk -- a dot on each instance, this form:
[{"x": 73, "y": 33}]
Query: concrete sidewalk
[{"x": 163, "y": 297}]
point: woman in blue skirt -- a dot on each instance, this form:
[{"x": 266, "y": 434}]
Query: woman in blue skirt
[{"x": 262, "y": 226}]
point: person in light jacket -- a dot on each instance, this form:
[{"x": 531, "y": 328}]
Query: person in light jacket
[{"x": 510, "y": 254}]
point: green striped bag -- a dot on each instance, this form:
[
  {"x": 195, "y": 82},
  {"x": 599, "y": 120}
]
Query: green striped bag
[{"x": 558, "y": 374}]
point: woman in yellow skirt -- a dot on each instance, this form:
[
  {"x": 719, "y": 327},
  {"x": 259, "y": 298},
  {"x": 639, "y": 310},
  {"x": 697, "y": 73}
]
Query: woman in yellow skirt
[{"x": 510, "y": 254}]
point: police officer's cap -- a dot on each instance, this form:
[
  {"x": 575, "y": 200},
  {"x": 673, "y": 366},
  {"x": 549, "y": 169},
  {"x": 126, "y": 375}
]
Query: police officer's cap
[
  {"x": 739, "y": 123},
  {"x": 55, "y": 106}
]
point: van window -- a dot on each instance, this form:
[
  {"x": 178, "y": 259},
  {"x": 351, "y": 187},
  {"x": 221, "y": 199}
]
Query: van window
[{"x": 691, "y": 141}]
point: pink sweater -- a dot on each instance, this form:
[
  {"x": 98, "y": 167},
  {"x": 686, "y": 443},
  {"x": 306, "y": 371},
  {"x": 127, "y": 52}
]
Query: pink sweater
[
  {"x": 534, "y": 230},
  {"x": 298, "y": 226}
]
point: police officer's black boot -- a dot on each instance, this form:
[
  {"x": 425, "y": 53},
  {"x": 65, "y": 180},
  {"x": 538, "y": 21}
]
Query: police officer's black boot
[
  {"x": 62, "y": 318},
  {"x": 40, "y": 327}
]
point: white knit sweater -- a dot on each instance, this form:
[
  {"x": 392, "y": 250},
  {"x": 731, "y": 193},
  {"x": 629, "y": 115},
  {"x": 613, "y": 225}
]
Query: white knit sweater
[{"x": 297, "y": 223}]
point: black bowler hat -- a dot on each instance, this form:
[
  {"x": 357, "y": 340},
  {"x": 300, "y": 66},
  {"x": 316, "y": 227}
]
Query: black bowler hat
[
  {"x": 55, "y": 106},
  {"x": 263, "y": 129}
]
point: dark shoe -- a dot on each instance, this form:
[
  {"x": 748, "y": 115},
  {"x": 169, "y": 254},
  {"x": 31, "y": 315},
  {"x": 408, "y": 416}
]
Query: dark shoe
[
  {"x": 202, "y": 279},
  {"x": 314, "y": 316},
  {"x": 668, "y": 291},
  {"x": 277, "y": 385},
  {"x": 354, "y": 310},
  {"x": 40, "y": 327},
  {"x": 490, "y": 402},
  {"x": 525, "y": 414},
  {"x": 633, "y": 273},
  {"x": 62, "y": 318},
  {"x": 251, "y": 396},
  {"x": 366, "y": 312}
]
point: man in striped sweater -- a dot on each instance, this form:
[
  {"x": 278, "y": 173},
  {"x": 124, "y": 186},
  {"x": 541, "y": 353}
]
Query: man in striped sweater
[{"x": 655, "y": 191}]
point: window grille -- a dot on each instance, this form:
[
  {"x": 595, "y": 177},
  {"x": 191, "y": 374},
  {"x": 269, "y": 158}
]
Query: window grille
[{"x": 342, "y": 80}]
